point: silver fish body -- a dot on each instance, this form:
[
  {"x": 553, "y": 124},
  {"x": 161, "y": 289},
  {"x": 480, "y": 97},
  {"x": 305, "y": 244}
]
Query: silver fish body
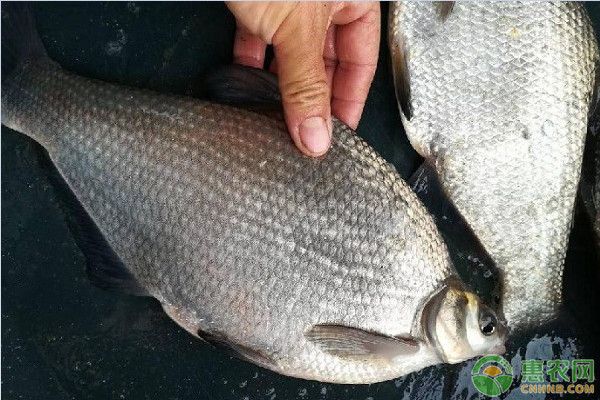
[
  {"x": 324, "y": 269},
  {"x": 496, "y": 96}
]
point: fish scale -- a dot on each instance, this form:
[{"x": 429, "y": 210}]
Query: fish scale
[
  {"x": 498, "y": 101},
  {"x": 231, "y": 226}
]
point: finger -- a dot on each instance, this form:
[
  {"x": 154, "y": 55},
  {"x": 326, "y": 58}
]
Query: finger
[
  {"x": 263, "y": 18},
  {"x": 352, "y": 11},
  {"x": 357, "y": 47},
  {"x": 248, "y": 49},
  {"x": 298, "y": 46},
  {"x": 329, "y": 55}
]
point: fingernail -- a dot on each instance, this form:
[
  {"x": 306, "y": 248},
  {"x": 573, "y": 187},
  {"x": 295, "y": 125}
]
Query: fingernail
[{"x": 314, "y": 135}]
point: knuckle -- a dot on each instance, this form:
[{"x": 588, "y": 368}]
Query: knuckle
[
  {"x": 372, "y": 16},
  {"x": 304, "y": 93}
]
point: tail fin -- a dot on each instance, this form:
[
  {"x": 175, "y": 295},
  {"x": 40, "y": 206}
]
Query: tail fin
[{"x": 20, "y": 40}]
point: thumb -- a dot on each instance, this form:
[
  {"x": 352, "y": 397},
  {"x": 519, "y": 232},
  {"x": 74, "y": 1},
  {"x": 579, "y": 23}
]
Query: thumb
[{"x": 298, "y": 48}]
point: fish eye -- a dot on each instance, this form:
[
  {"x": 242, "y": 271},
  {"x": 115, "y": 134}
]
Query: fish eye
[{"x": 487, "y": 322}]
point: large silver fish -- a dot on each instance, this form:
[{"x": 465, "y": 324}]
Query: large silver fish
[
  {"x": 495, "y": 96},
  {"x": 325, "y": 269}
]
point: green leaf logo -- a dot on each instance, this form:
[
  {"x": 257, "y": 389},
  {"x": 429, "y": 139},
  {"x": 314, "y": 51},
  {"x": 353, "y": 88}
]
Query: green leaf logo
[{"x": 492, "y": 375}]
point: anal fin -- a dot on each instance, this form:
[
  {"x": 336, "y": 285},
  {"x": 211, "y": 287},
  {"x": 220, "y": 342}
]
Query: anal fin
[{"x": 103, "y": 266}]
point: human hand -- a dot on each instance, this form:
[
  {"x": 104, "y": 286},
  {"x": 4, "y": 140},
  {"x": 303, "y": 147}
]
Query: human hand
[{"x": 325, "y": 59}]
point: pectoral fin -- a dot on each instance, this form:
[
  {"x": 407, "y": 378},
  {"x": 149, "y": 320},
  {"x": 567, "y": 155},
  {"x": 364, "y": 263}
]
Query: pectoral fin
[{"x": 347, "y": 342}]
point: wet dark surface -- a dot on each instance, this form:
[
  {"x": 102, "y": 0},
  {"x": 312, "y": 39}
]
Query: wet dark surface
[{"x": 62, "y": 338}]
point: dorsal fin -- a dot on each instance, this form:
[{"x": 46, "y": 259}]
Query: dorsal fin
[{"x": 240, "y": 85}]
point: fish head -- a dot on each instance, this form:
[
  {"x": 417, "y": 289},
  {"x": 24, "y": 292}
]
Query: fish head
[{"x": 460, "y": 326}]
